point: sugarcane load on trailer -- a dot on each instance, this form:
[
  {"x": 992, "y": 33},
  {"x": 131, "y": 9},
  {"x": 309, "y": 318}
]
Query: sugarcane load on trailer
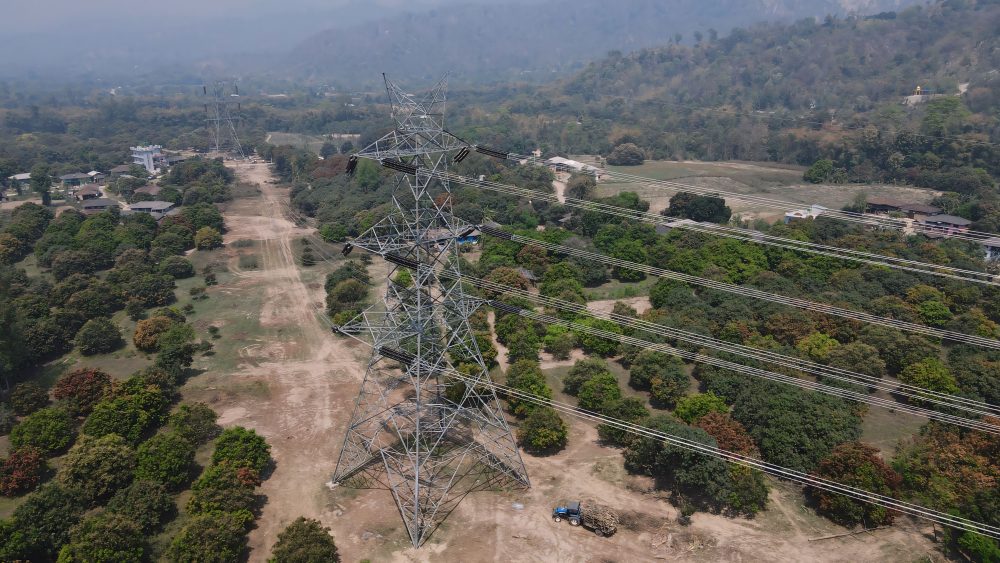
[{"x": 601, "y": 519}]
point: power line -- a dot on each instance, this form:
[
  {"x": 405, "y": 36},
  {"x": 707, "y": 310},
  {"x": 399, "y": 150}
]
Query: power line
[
  {"x": 744, "y": 291},
  {"x": 728, "y": 232}
]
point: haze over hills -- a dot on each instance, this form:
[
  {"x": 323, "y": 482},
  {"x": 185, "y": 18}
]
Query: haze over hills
[
  {"x": 501, "y": 42},
  {"x": 348, "y": 42}
]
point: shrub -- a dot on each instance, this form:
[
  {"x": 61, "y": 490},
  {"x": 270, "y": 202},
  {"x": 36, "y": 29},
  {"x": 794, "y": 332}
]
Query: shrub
[
  {"x": 628, "y": 409},
  {"x": 147, "y": 333},
  {"x": 693, "y": 407},
  {"x": 165, "y": 458},
  {"x": 526, "y": 376},
  {"x": 105, "y": 537},
  {"x": 304, "y": 541},
  {"x": 146, "y": 503},
  {"x": 599, "y": 393},
  {"x": 559, "y": 341},
  {"x": 195, "y": 422},
  {"x": 177, "y": 267},
  {"x": 249, "y": 262},
  {"x": 27, "y": 398},
  {"x": 98, "y": 467},
  {"x": 241, "y": 447},
  {"x": 543, "y": 431},
  {"x": 50, "y": 430},
  {"x": 207, "y": 238},
  {"x": 124, "y": 416},
  {"x": 98, "y": 336},
  {"x": 135, "y": 309},
  {"x": 21, "y": 471},
  {"x": 930, "y": 374},
  {"x": 598, "y": 345},
  {"x": 209, "y": 538}
]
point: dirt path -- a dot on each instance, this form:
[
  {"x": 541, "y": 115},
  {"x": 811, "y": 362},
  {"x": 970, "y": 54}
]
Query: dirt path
[
  {"x": 560, "y": 186},
  {"x": 310, "y": 377}
]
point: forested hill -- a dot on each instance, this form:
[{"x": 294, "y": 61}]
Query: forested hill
[
  {"x": 837, "y": 63},
  {"x": 498, "y": 42}
]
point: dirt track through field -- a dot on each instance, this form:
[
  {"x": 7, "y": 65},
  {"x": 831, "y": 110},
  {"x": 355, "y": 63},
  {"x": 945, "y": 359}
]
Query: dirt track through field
[{"x": 312, "y": 377}]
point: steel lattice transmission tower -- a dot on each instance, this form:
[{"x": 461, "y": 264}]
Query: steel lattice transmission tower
[
  {"x": 220, "y": 119},
  {"x": 427, "y": 437}
]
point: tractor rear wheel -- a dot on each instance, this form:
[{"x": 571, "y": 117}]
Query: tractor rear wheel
[
  {"x": 556, "y": 519},
  {"x": 574, "y": 522}
]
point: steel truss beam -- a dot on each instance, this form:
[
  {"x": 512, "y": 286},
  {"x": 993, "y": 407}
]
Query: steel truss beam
[{"x": 428, "y": 437}]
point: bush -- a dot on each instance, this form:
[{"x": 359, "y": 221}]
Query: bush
[
  {"x": 79, "y": 390},
  {"x": 124, "y": 416},
  {"x": 599, "y": 393},
  {"x": 98, "y": 467},
  {"x": 177, "y": 267},
  {"x": 195, "y": 422},
  {"x": 304, "y": 541},
  {"x": 241, "y": 447},
  {"x": 543, "y": 431},
  {"x": 629, "y": 409},
  {"x": 819, "y": 171},
  {"x": 146, "y": 503},
  {"x": 691, "y": 408},
  {"x": 559, "y": 341},
  {"x": 105, "y": 537},
  {"x": 27, "y": 398},
  {"x": 98, "y": 336},
  {"x": 207, "y": 238},
  {"x": 209, "y": 538},
  {"x": 165, "y": 458},
  {"x": 599, "y": 345},
  {"x": 21, "y": 471},
  {"x": 135, "y": 310},
  {"x": 526, "y": 376},
  {"x": 50, "y": 430},
  {"x": 147, "y": 332}
]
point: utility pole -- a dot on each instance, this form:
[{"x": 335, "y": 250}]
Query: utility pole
[{"x": 427, "y": 437}]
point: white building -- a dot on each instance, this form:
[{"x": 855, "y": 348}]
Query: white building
[
  {"x": 147, "y": 156},
  {"x": 559, "y": 163},
  {"x": 991, "y": 246}
]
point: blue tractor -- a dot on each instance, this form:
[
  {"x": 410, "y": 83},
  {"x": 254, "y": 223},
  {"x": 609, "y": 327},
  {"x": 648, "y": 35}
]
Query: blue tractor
[{"x": 569, "y": 512}]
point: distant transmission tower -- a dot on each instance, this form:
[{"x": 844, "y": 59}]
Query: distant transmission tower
[
  {"x": 428, "y": 438},
  {"x": 220, "y": 119}
]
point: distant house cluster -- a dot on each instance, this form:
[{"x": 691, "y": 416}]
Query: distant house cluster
[{"x": 927, "y": 220}]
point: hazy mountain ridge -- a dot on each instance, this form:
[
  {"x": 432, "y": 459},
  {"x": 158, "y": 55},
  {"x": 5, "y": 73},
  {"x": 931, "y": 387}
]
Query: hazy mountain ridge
[{"x": 498, "y": 43}]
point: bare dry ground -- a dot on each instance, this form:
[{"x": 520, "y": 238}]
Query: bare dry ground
[{"x": 295, "y": 383}]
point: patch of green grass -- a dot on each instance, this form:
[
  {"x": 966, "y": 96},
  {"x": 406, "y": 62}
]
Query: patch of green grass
[
  {"x": 249, "y": 262},
  {"x": 615, "y": 289}
]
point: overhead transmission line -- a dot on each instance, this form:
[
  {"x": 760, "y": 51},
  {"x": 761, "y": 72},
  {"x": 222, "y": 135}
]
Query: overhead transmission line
[
  {"x": 914, "y": 392},
  {"x": 849, "y": 216},
  {"x": 774, "y": 470},
  {"x": 724, "y": 231},
  {"x": 718, "y": 362},
  {"x": 744, "y": 291}
]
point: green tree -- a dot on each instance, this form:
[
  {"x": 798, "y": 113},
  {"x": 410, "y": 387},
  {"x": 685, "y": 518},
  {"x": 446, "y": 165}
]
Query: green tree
[
  {"x": 50, "y": 430},
  {"x": 104, "y": 537},
  {"x": 207, "y": 238},
  {"x": 224, "y": 488},
  {"x": 98, "y": 467},
  {"x": 215, "y": 537},
  {"x": 626, "y": 154},
  {"x": 630, "y": 410},
  {"x": 41, "y": 182},
  {"x": 124, "y": 416},
  {"x": 27, "y": 398},
  {"x": 699, "y": 208},
  {"x": 930, "y": 374},
  {"x": 691, "y": 408},
  {"x": 195, "y": 422},
  {"x": 98, "y": 336},
  {"x": 595, "y": 344},
  {"x": 304, "y": 541},
  {"x": 559, "y": 341},
  {"x": 241, "y": 447},
  {"x": 819, "y": 172},
  {"x": 526, "y": 376},
  {"x": 817, "y": 346},
  {"x": 145, "y": 503},
  {"x": 165, "y": 458},
  {"x": 177, "y": 267},
  {"x": 581, "y": 372},
  {"x": 543, "y": 431},
  {"x": 650, "y": 365},
  {"x": 43, "y": 522},
  {"x": 599, "y": 393}
]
